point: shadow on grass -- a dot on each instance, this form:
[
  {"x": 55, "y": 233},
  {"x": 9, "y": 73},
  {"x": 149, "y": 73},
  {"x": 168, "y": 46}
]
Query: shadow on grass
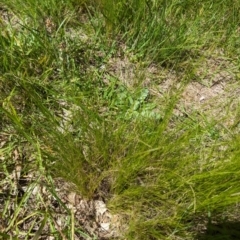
[{"x": 221, "y": 231}]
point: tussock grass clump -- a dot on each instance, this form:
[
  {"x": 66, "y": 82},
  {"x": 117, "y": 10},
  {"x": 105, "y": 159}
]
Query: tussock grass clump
[
  {"x": 168, "y": 31},
  {"x": 66, "y": 113}
]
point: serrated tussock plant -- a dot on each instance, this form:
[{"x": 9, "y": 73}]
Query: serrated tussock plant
[{"x": 63, "y": 101}]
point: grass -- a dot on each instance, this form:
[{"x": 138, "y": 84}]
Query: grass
[{"x": 95, "y": 93}]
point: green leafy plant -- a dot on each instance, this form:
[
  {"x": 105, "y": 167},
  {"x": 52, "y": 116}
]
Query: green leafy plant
[{"x": 128, "y": 104}]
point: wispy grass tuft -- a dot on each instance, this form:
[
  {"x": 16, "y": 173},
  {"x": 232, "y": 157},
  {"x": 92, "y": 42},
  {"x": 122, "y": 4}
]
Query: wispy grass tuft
[
  {"x": 66, "y": 113},
  {"x": 168, "y": 31}
]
